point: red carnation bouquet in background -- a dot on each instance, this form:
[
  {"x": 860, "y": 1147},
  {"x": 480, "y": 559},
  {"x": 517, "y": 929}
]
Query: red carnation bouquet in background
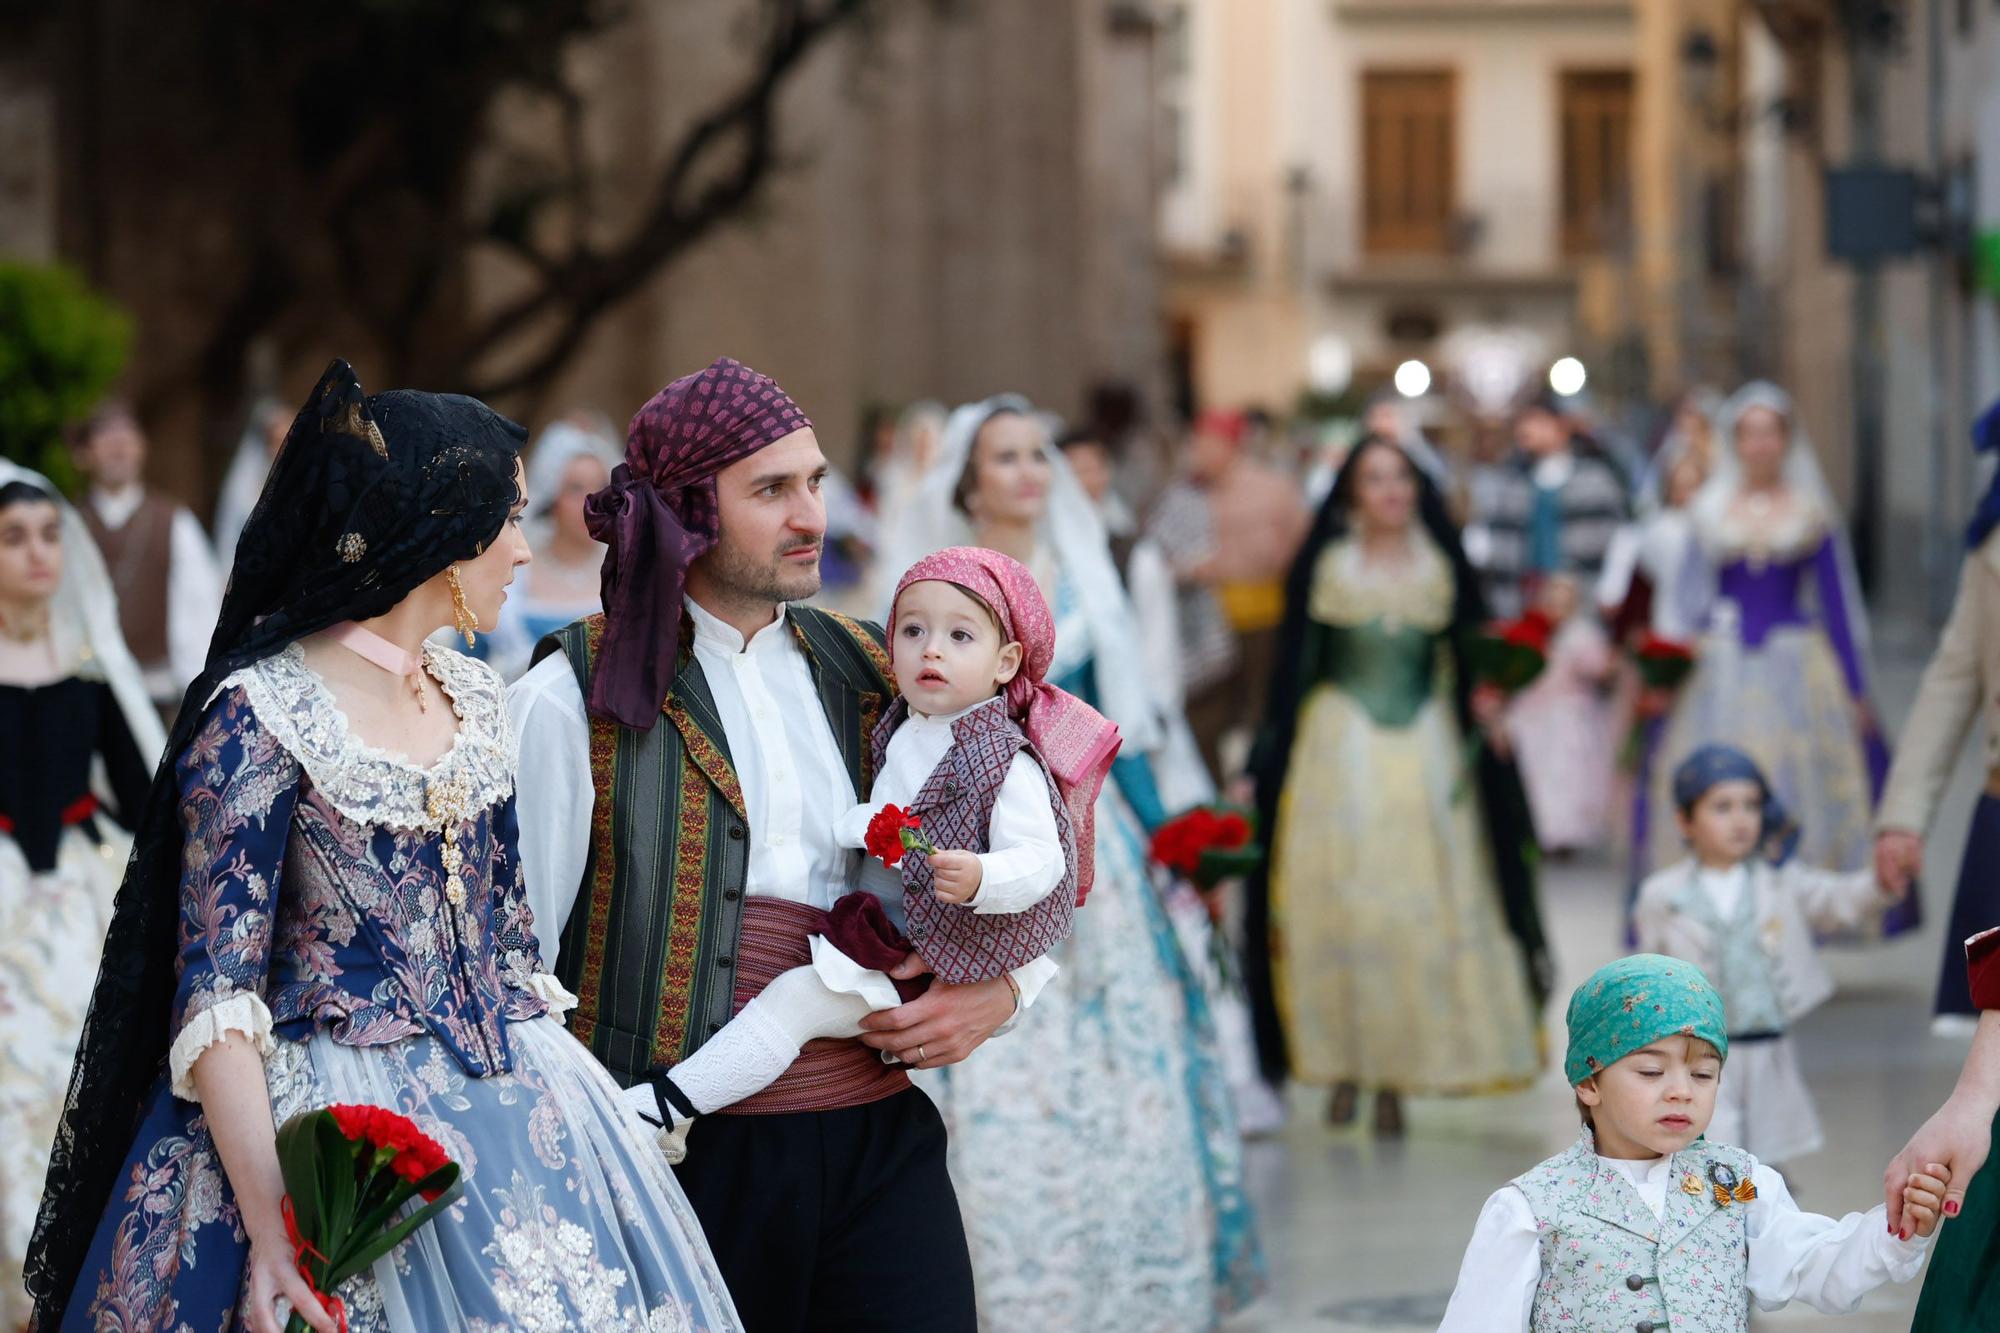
[
  {"x": 349, "y": 1170},
  {"x": 1503, "y": 659},
  {"x": 1507, "y": 655},
  {"x": 1208, "y": 844},
  {"x": 1664, "y": 666},
  {"x": 894, "y": 831}
]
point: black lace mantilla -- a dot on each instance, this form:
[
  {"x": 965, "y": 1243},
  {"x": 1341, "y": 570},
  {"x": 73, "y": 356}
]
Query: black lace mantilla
[{"x": 368, "y": 498}]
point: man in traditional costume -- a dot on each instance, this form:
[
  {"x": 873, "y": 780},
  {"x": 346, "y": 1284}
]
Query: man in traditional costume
[
  {"x": 676, "y": 869},
  {"x": 162, "y": 567}
]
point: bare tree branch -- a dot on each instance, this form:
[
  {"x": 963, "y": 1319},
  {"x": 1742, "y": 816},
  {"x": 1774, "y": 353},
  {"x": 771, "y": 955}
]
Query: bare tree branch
[{"x": 578, "y": 291}]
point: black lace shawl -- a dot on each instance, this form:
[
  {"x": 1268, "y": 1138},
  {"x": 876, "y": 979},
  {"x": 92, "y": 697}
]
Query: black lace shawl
[
  {"x": 367, "y": 498},
  {"x": 1502, "y": 799}
]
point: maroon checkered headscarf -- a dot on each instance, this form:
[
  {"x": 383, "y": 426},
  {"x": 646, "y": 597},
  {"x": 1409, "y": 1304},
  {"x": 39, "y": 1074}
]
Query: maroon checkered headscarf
[{"x": 659, "y": 516}]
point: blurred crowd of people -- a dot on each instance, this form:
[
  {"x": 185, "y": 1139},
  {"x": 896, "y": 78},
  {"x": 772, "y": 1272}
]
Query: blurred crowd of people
[{"x": 1291, "y": 618}]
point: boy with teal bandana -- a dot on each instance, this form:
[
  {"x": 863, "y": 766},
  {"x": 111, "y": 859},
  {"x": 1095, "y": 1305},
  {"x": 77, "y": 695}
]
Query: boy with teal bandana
[{"x": 1643, "y": 1224}]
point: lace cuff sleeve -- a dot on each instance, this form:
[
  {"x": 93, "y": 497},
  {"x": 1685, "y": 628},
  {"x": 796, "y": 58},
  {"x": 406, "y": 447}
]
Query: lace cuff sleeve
[
  {"x": 242, "y": 1012},
  {"x": 552, "y": 993}
]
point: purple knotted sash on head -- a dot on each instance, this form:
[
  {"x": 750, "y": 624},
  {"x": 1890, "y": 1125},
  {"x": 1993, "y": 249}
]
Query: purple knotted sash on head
[
  {"x": 1076, "y": 741},
  {"x": 659, "y": 515}
]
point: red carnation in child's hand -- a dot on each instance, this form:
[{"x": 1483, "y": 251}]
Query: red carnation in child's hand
[{"x": 894, "y": 831}]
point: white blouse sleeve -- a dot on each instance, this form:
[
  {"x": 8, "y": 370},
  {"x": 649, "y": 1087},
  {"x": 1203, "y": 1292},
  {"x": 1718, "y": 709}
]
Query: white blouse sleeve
[
  {"x": 243, "y": 1012},
  {"x": 1828, "y": 1264},
  {"x": 554, "y": 794},
  {"x": 851, "y": 829},
  {"x": 1501, "y": 1269},
  {"x": 194, "y": 597},
  {"x": 1026, "y": 862}
]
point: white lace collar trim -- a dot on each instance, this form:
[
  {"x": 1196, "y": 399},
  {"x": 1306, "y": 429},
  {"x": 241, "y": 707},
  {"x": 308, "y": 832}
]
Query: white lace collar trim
[{"x": 370, "y": 785}]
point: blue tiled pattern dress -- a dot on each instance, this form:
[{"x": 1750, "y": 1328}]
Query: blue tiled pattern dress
[
  {"x": 1094, "y": 1148},
  {"x": 317, "y": 918}
]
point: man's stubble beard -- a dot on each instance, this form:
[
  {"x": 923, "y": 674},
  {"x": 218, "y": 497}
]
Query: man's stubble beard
[{"x": 741, "y": 578}]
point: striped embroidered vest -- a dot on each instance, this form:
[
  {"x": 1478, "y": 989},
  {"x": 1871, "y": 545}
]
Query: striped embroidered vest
[
  {"x": 650, "y": 948},
  {"x": 956, "y": 806}
]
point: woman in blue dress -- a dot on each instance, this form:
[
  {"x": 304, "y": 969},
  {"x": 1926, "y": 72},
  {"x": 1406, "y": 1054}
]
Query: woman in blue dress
[
  {"x": 1094, "y": 1149},
  {"x": 325, "y": 905}
]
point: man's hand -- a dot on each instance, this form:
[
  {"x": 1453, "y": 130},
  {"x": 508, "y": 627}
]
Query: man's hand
[
  {"x": 944, "y": 1024},
  {"x": 956, "y": 876},
  {"x": 1899, "y": 859},
  {"x": 1957, "y": 1140}
]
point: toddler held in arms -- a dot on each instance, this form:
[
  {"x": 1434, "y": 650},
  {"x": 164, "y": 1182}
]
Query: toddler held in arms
[
  {"x": 1645, "y": 1225},
  {"x": 979, "y": 833}
]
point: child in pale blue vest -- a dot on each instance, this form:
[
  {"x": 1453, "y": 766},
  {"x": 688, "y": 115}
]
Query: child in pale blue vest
[
  {"x": 1743, "y": 910},
  {"x": 1643, "y": 1226}
]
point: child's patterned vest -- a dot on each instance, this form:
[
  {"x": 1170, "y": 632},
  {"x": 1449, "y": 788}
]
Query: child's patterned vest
[
  {"x": 956, "y": 806},
  {"x": 1610, "y": 1266}
]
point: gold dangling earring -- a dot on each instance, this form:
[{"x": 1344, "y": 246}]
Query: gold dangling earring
[{"x": 462, "y": 615}]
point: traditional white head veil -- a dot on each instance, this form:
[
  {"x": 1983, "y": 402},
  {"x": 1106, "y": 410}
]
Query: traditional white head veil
[
  {"x": 1073, "y": 533},
  {"x": 244, "y": 481},
  {"x": 560, "y": 444},
  {"x": 1803, "y": 479},
  {"x": 1652, "y": 494},
  {"x": 83, "y": 621}
]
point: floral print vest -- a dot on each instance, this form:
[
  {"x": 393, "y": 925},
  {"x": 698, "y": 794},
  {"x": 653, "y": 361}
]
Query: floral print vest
[{"x": 1610, "y": 1266}]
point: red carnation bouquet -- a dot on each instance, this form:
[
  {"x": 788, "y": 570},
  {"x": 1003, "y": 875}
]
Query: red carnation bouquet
[
  {"x": 1208, "y": 844},
  {"x": 349, "y": 1170},
  {"x": 894, "y": 831},
  {"x": 1507, "y": 655},
  {"x": 1503, "y": 659},
  {"x": 1664, "y": 666}
]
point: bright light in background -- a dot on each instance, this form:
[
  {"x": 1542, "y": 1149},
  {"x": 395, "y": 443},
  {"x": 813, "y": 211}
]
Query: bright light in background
[
  {"x": 1329, "y": 363},
  {"x": 1413, "y": 379},
  {"x": 1567, "y": 376}
]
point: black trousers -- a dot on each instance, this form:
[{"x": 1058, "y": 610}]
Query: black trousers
[{"x": 834, "y": 1220}]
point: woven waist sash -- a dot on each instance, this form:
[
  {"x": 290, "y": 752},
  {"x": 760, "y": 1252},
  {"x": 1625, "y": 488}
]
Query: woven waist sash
[{"x": 830, "y": 1072}]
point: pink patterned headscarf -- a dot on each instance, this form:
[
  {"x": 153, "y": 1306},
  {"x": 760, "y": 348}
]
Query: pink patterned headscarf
[
  {"x": 659, "y": 515},
  {"x": 1076, "y": 741}
]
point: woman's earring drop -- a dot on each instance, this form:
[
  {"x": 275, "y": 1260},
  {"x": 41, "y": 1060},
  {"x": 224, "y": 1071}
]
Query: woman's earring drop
[{"x": 462, "y": 615}]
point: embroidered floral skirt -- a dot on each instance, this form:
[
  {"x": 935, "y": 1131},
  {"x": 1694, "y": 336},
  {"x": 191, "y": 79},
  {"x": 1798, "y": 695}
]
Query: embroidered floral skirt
[
  {"x": 570, "y": 1218},
  {"x": 51, "y": 932},
  {"x": 1094, "y": 1148}
]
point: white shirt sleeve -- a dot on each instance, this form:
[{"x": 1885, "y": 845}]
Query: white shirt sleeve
[
  {"x": 1156, "y": 605},
  {"x": 554, "y": 794},
  {"x": 851, "y": 829},
  {"x": 1026, "y": 862},
  {"x": 1828, "y": 1264},
  {"x": 1030, "y": 977},
  {"x": 194, "y": 598},
  {"x": 1501, "y": 1269}
]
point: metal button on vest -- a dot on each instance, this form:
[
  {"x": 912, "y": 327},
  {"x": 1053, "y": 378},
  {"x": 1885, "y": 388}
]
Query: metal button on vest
[
  {"x": 918, "y": 932},
  {"x": 1635, "y": 1283},
  {"x": 736, "y": 832},
  {"x": 731, "y": 895},
  {"x": 951, "y": 790},
  {"x": 1643, "y": 1326},
  {"x": 724, "y": 961}
]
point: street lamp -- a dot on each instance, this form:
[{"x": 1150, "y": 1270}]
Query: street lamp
[{"x": 1567, "y": 377}]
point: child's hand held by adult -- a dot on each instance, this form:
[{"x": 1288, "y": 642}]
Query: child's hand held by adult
[{"x": 1923, "y": 1201}]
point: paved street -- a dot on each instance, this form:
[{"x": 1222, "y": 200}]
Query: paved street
[{"x": 1368, "y": 1236}]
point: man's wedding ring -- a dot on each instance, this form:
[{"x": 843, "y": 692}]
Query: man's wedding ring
[{"x": 920, "y": 1055}]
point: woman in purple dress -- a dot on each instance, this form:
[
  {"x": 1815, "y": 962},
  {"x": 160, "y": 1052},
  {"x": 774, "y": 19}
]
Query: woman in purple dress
[{"x": 1783, "y": 659}]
